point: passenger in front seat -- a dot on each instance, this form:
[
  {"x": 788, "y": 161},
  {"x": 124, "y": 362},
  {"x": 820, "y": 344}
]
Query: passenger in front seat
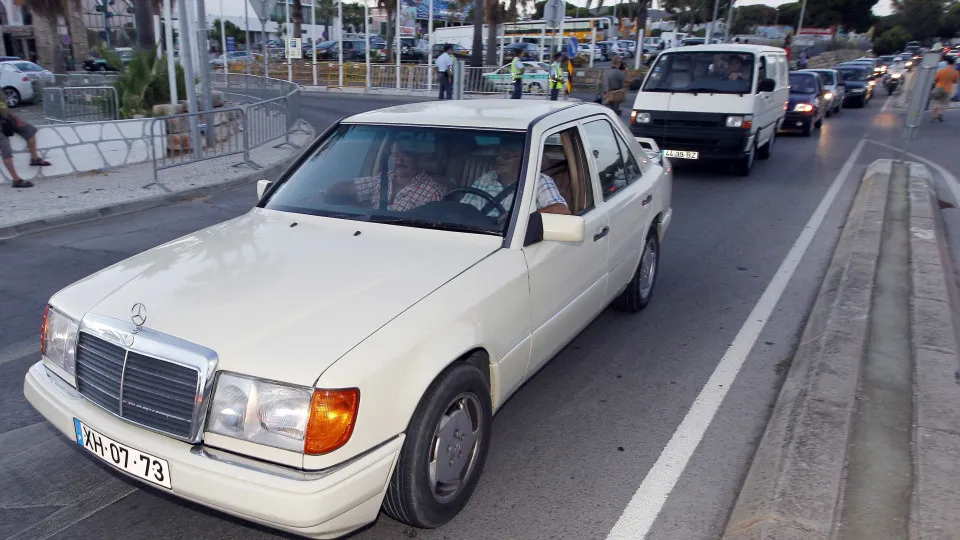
[{"x": 506, "y": 172}]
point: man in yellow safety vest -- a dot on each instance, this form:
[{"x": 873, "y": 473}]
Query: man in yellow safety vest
[
  {"x": 556, "y": 76},
  {"x": 516, "y": 71}
]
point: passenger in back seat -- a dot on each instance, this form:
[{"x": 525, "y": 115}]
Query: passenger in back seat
[{"x": 506, "y": 172}]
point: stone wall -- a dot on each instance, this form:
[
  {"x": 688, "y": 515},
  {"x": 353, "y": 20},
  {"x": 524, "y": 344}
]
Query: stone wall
[{"x": 84, "y": 147}]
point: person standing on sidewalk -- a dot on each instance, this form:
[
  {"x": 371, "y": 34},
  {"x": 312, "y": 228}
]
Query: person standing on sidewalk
[
  {"x": 516, "y": 71},
  {"x": 612, "y": 85},
  {"x": 556, "y": 76},
  {"x": 11, "y": 125},
  {"x": 445, "y": 72},
  {"x": 944, "y": 82}
]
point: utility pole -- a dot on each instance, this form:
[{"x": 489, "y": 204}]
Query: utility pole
[
  {"x": 203, "y": 48},
  {"x": 803, "y": 7},
  {"x": 730, "y": 21},
  {"x": 171, "y": 66},
  {"x": 713, "y": 22},
  {"x": 186, "y": 56}
]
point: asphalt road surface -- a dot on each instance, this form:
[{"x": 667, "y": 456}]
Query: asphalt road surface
[{"x": 588, "y": 445}]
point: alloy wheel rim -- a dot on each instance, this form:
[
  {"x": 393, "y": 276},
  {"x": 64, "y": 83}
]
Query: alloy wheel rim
[
  {"x": 454, "y": 447},
  {"x": 648, "y": 268}
]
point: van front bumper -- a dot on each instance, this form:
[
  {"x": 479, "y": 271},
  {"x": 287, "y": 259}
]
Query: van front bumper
[
  {"x": 316, "y": 504},
  {"x": 718, "y": 143}
]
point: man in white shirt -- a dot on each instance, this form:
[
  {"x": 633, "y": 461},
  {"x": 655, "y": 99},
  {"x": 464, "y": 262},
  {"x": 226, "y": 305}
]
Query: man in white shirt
[
  {"x": 506, "y": 172},
  {"x": 445, "y": 72}
]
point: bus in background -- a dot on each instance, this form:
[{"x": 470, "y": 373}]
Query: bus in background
[{"x": 532, "y": 31}]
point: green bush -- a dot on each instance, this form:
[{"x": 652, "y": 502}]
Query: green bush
[{"x": 143, "y": 82}]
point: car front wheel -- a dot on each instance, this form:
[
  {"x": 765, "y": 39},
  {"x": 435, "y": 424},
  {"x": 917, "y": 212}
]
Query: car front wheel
[{"x": 444, "y": 451}]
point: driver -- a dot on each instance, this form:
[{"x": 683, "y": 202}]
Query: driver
[
  {"x": 408, "y": 185},
  {"x": 505, "y": 171}
]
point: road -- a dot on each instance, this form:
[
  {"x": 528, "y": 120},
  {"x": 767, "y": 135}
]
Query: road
[{"x": 571, "y": 449}]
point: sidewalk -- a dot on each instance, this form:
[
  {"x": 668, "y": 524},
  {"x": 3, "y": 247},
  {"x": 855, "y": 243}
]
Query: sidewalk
[
  {"x": 864, "y": 440},
  {"x": 69, "y": 199}
]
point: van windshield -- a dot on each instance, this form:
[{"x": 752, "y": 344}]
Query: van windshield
[{"x": 713, "y": 72}]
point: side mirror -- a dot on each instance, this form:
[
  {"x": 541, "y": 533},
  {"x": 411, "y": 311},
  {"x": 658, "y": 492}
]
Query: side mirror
[
  {"x": 262, "y": 186},
  {"x": 767, "y": 85},
  {"x": 554, "y": 227}
]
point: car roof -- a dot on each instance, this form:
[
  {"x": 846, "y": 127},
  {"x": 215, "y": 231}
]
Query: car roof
[
  {"x": 726, "y": 48},
  {"x": 504, "y": 114}
]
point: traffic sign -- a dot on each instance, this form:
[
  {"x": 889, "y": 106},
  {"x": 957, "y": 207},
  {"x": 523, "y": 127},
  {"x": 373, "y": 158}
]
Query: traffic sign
[
  {"x": 573, "y": 47},
  {"x": 293, "y": 48},
  {"x": 231, "y": 44},
  {"x": 553, "y": 12},
  {"x": 263, "y": 8}
]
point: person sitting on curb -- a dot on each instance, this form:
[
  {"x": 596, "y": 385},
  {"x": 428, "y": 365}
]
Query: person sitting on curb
[{"x": 10, "y": 124}]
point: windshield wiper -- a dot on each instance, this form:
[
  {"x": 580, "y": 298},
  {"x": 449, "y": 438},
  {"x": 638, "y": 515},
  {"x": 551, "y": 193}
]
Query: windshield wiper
[{"x": 427, "y": 224}]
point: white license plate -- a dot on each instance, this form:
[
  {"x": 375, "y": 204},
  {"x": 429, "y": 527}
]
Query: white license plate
[
  {"x": 681, "y": 154},
  {"x": 139, "y": 464}
]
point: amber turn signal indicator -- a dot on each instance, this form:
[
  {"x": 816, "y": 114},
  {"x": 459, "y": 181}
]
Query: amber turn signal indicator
[
  {"x": 43, "y": 331},
  {"x": 333, "y": 413}
]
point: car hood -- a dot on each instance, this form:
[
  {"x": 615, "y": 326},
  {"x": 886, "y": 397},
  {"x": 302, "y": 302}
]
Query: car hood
[
  {"x": 801, "y": 97},
  {"x": 855, "y": 84},
  {"x": 276, "y": 300}
]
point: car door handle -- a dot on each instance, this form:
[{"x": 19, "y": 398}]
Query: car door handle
[
  {"x": 647, "y": 200},
  {"x": 603, "y": 232}
]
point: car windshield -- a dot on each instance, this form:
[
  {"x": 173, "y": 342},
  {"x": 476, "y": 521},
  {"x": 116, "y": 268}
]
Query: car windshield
[
  {"x": 713, "y": 72},
  {"x": 802, "y": 84},
  {"x": 828, "y": 76},
  {"x": 410, "y": 176},
  {"x": 852, "y": 74}
]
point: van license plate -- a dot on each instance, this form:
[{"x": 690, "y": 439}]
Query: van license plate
[{"x": 681, "y": 154}]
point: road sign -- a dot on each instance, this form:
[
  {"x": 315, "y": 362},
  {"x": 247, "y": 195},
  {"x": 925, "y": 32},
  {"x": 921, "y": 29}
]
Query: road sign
[
  {"x": 231, "y": 44},
  {"x": 263, "y": 8},
  {"x": 573, "y": 47},
  {"x": 293, "y": 48},
  {"x": 553, "y": 12}
]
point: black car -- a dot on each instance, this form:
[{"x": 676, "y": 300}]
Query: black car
[
  {"x": 808, "y": 103},
  {"x": 858, "y": 83}
]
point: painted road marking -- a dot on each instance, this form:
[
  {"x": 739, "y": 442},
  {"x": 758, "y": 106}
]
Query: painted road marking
[{"x": 645, "y": 505}]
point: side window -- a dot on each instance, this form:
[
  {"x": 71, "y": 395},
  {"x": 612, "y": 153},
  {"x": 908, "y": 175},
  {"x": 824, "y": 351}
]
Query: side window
[
  {"x": 606, "y": 154},
  {"x": 762, "y": 71},
  {"x": 565, "y": 163},
  {"x": 629, "y": 162}
]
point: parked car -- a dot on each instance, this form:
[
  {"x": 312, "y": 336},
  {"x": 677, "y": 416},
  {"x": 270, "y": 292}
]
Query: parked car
[
  {"x": 38, "y": 75},
  {"x": 808, "y": 104},
  {"x": 237, "y": 57},
  {"x": 536, "y": 77},
  {"x": 722, "y": 102},
  {"x": 340, "y": 387},
  {"x": 520, "y": 49},
  {"x": 17, "y": 86},
  {"x": 832, "y": 83},
  {"x": 858, "y": 81}
]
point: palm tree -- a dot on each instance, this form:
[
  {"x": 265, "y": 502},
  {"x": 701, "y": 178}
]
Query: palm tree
[
  {"x": 296, "y": 16},
  {"x": 476, "y": 56},
  {"x": 49, "y": 10},
  {"x": 143, "y": 19},
  {"x": 493, "y": 9},
  {"x": 390, "y": 6}
]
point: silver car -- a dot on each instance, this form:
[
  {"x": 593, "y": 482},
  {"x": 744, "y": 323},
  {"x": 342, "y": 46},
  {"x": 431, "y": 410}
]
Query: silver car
[{"x": 832, "y": 83}]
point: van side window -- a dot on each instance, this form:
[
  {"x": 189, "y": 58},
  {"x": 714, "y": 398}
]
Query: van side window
[{"x": 762, "y": 71}]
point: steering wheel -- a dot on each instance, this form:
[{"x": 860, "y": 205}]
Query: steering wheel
[{"x": 479, "y": 193}]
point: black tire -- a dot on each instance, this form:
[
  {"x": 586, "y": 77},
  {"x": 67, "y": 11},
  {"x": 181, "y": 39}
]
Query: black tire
[
  {"x": 766, "y": 150},
  {"x": 12, "y": 97},
  {"x": 744, "y": 165},
  {"x": 633, "y": 298},
  {"x": 410, "y": 496}
]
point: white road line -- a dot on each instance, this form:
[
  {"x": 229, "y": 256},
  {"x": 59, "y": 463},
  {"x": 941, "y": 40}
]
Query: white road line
[
  {"x": 645, "y": 505},
  {"x": 887, "y": 104},
  {"x": 951, "y": 180}
]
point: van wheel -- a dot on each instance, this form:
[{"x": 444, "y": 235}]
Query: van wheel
[
  {"x": 745, "y": 165},
  {"x": 764, "y": 151}
]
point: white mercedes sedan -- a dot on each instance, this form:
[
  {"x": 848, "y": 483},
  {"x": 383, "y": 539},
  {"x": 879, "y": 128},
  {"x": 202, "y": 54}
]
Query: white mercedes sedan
[{"x": 342, "y": 347}]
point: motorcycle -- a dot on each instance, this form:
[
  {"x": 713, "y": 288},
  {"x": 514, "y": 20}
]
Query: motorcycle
[{"x": 891, "y": 81}]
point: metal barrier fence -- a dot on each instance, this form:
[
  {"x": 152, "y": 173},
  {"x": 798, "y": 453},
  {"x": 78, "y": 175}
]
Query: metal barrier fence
[
  {"x": 85, "y": 79},
  {"x": 81, "y": 104},
  {"x": 194, "y": 137}
]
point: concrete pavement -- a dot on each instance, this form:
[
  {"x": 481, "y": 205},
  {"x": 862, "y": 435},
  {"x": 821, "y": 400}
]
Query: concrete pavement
[{"x": 572, "y": 448}]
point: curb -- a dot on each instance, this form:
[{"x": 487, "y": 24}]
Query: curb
[
  {"x": 81, "y": 216},
  {"x": 933, "y": 320},
  {"x": 794, "y": 483}
]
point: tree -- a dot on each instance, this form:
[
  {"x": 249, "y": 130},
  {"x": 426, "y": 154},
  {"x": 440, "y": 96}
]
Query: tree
[
  {"x": 390, "y": 6},
  {"x": 747, "y": 18},
  {"x": 891, "y": 41},
  {"x": 920, "y": 18},
  {"x": 233, "y": 31},
  {"x": 570, "y": 9},
  {"x": 476, "y": 53},
  {"x": 950, "y": 22},
  {"x": 296, "y": 16},
  {"x": 49, "y": 10},
  {"x": 352, "y": 15},
  {"x": 788, "y": 14},
  {"x": 325, "y": 11},
  {"x": 495, "y": 15},
  {"x": 143, "y": 21}
]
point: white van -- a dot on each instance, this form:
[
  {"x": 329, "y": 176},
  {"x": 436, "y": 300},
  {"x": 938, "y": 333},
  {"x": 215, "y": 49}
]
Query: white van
[{"x": 714, "y": 102}]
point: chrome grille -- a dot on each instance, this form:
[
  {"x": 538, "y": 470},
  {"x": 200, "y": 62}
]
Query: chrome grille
[{"x": 154, "y": 393}]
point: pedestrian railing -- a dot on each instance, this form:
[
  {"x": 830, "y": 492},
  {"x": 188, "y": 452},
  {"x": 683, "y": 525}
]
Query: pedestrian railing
[
  {"x": 81, "y": 104},
  {"x": 195, "y": 137},
  {"x": 85, "y": 79}
]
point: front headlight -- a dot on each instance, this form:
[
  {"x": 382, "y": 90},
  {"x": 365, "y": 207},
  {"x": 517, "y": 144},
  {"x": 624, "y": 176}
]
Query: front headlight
[
  {"x": 828, "y": 96},
  {"x": 297, "y": 418},
  {"x": 58, "y": 343},
  {"x": 640, "y": 117},
  {"x": 803, "y": 107},
  {"x": 896, "y": 75}
]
